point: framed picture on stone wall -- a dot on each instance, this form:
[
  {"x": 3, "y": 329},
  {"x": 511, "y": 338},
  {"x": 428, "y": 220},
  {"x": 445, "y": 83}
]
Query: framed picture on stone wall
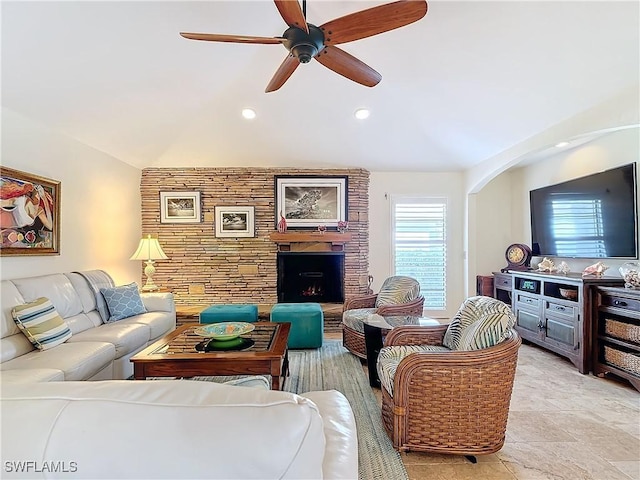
[
  {"x": 30, "y": 214},
  {"x": 310, "y": 201},
  {"x": 235, "y": 221},
  {"x": 180, "y": 207}
]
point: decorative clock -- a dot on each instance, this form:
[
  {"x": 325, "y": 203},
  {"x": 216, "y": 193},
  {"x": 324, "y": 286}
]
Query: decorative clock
[{"x": 518, "y": 256}]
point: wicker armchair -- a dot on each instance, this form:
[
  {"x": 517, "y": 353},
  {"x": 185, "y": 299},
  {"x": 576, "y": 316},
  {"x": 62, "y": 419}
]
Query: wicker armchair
[
  {"x": 443, "y": 400},
  {"x": 398, "y": 296}
]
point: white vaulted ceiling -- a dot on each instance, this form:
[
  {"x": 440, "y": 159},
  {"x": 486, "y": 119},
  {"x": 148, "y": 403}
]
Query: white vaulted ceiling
[{"x": 468, "y": 81}]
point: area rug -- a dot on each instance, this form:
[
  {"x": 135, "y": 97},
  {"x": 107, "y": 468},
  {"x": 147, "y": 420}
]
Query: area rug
[{"x": 332, "y": 367}]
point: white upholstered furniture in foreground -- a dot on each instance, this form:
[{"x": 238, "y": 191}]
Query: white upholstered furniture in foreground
[{"x": 179, "y": 429}]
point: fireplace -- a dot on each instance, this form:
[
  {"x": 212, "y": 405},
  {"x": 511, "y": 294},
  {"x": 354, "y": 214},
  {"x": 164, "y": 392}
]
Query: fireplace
[{"x": 311, "y": 277}]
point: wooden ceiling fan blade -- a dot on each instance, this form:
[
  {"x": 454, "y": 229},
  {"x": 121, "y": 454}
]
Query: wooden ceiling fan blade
[
  {"x": 214, "y": 37},
  {"x": 348, "y": 66},
  {"x": 373, "y": 21},
  {"x": 292, "y": 14},
  {"x": 285, "y": 70}
]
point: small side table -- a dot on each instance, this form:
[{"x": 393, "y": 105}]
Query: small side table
[{"x": 376, "y": 328}]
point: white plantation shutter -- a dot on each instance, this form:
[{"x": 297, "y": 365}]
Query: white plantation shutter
[
  {"x": 420, "y": 245},
  {"x": 578, "y": 226}
]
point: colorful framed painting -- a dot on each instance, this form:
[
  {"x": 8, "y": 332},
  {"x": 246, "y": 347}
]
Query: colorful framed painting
[
  {"x": 30, "y": 214},
  {"x": 311, "y": 201},
  {"x": 180, "y": 207},
  {"x": 235, "y": 221}
]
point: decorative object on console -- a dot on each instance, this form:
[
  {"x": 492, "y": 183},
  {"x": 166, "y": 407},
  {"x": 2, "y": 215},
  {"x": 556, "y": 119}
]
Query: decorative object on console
[
  {"x": 235, "y": 221},
  {"x": 30, "y": 214},
  {"x": 282, "y": 224},
  {"x": 310, "y": 200},
  {"x": 343, "y": 226},
  {"x": 568, "y": 293},
  {"x": 149, "y": 250},
  {"x": 180, "y": 207},
  {"x": 631, "y": 273},
  {"x": 322, "y": 229},
  {"x": 596, "y": 269},
  {"x": 546, "y": 265},
  {"x": 518, "y": 256},
  {"x": 563, "y": 268}
]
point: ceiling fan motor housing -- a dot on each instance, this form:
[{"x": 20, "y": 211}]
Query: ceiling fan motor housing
[{"x": 302, "y": 45}]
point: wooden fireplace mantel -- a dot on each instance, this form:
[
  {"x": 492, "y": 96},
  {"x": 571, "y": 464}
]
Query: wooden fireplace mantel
[{"x": 310, "y": 242}]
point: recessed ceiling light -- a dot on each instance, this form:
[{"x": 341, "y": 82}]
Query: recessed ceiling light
[
  {"x": 249, "y": 113},
  {"x": 362, "y": 113},
  {"x": 562, "y": 144}
]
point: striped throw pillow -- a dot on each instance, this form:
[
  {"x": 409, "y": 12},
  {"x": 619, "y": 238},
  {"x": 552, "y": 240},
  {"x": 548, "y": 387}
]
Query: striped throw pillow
[
  {"x": 398, "y": 290},
  {"x": 41, "y": 323},
  {"x": 481, "y": 322}
]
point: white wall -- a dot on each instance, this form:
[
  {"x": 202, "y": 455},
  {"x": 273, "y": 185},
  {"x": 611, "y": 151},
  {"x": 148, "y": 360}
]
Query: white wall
[
  {"x": 491, "y": 212},
  {"x": 614, "y": 150},
  {"x": 501, "y": 208},
  {"x": 385, "y": 184},
  {"x": 617, "y": 112},
  {"x": 100, "y": 202}
]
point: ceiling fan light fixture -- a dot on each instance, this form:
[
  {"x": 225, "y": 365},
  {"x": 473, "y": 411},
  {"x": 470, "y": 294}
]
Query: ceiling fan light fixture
[
  {"x": 304, "y": 52},
  {"x": 302, "y": 45},
  {"x": 249, "y": 113},
  {"x": 362, "y": 113}
]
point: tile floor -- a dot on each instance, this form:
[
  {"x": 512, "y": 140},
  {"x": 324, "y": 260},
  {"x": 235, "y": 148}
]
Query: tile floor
[{"x": 562, "y": 425}]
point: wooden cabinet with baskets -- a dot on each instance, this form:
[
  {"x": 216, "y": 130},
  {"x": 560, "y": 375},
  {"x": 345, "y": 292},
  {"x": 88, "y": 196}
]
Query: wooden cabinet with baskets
[
  {"x": 554, "y": 312},
  {"x": 616, "y": 334}
]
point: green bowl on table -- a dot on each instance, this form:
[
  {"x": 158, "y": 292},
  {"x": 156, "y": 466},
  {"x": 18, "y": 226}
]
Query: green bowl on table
[{"x": 224, "y": 331}]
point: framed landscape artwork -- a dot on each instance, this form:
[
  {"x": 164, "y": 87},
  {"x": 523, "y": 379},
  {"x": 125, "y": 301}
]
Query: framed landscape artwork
[
  {"x": 180, "y": 207},
  {"x": 235, "y": 221},
  {"x": 311, "y": 201},
  {"x": 30, "y": 214}
]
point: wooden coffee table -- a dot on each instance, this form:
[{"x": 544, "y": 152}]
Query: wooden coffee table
[{"x": 175, "y": 355}]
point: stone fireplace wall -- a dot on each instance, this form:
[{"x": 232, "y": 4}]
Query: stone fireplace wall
[{"x": 203, "y": 269}]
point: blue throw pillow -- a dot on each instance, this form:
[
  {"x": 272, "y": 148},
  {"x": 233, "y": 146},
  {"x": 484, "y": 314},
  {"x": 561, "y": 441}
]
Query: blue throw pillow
[{"x": 123, "y": 301}]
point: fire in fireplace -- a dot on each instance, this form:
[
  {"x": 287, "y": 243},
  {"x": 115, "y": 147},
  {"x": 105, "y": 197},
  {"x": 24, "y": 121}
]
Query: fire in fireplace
[{"x": 311, "y": 277}]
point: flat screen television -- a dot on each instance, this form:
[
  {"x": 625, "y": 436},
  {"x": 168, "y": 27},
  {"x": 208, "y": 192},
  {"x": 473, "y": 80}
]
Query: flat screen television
[{"x": 590, "y": 217}]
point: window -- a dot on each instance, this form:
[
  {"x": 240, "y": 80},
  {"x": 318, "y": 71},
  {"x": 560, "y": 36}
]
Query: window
[
  {"x": 419, "y": 245},
  {"x": 578, "y": 226}
]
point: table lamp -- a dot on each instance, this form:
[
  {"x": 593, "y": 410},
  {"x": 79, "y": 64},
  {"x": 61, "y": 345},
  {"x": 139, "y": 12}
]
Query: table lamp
[{"x": 149, "y": 250}]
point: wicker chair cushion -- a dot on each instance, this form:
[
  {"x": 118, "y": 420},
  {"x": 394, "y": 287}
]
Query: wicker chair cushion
[
  {"x": 397, "y": 290},
  {"x": 481, "y": 322},
  {"x": 390, "y": 357},
  {"x": 398, "y": 320},
  {"x": 354, "y": 318}
]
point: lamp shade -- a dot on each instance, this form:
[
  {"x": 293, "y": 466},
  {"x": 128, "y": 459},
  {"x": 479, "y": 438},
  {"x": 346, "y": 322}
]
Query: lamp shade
[{"x": 149, "y": 249}]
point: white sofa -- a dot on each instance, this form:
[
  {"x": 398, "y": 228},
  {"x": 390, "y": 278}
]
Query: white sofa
[
  {"x": 129, "y": 429},
  {"x": 174, "y": 429},
  {"x": 96, "y": 350}
]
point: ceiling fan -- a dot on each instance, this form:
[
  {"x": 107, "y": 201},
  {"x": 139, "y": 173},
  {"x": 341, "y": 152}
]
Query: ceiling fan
[{"x": 306, "y": 41}]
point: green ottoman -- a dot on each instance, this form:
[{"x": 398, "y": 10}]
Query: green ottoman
[
  {"x": 307, "y": 323},
  {"x": 229, "y": 313}
]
